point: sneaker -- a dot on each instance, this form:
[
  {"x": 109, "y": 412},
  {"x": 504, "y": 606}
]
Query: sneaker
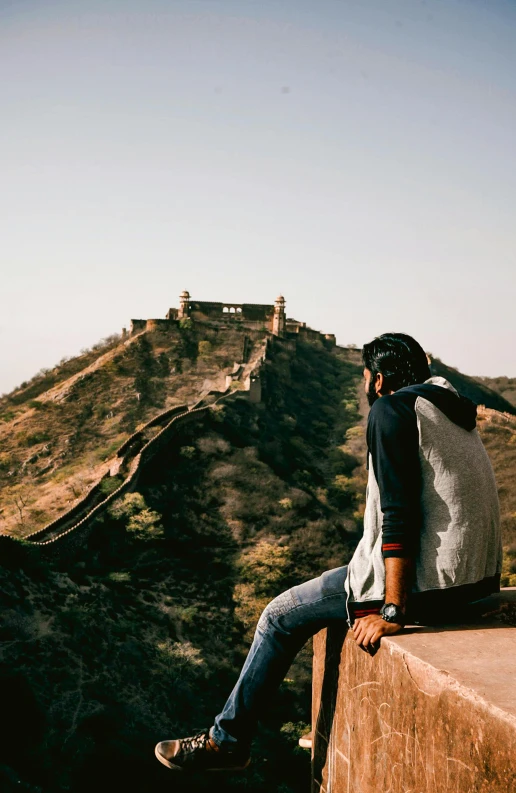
[{"x": 200, "y": 753}]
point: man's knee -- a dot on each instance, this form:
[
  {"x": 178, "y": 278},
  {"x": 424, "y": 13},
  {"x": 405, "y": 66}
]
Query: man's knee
[{"x": 276, "y": 608}]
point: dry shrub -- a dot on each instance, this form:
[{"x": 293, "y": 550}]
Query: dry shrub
[
  {"x": 223, "y": 472},
  {"x": 212, "y": 445}
]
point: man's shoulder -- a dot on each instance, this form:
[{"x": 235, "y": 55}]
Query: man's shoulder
[{"x": 396, "y": 407}]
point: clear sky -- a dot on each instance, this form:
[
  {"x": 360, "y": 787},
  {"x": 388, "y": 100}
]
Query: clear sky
[{"x": 356, "y": 155}]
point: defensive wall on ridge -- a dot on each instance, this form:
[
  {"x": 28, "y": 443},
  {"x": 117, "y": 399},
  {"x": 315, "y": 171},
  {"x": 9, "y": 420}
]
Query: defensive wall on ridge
[{"x": 70, "y": 531}]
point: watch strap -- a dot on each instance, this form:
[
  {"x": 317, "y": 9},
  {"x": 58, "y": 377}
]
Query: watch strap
[{"x": 391, "y": 612}]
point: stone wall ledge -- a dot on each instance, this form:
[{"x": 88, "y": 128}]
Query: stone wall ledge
[{"x": 434, "y": 711}]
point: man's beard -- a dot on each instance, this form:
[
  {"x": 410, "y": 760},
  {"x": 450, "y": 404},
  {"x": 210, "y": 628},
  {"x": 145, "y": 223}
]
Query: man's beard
[{"x": 372, "y": 396}]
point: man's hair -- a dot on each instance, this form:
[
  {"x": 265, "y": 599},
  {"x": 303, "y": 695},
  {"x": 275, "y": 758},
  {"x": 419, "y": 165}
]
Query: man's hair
[{"x": 400, "y": 359}]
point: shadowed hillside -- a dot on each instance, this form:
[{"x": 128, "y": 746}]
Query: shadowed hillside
[
  {"x": 138, "y": 634},
  {"x": 53, "y": 449},
  {"x": 475, "y": 388},
  {"x": 505, "y": 386},
  {"x": 141, "y": 634}
]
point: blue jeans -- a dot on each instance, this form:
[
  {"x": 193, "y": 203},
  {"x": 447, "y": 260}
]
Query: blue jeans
[{"x": 283, "y": 628}]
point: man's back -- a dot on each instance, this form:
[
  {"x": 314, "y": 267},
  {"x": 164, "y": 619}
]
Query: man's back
[
  {"x": 460, "y": 534},
  {"x": 431, "y": 495}
]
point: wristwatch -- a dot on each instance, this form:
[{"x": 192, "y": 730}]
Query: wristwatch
[{"x": 390, "y": 612}]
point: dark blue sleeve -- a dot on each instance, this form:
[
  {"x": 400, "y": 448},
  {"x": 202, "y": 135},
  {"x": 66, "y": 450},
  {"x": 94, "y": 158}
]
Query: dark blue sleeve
[{"x": 393, "y": 442}]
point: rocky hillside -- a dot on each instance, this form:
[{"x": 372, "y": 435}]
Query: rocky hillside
[
  {"x": 140, "y": 634},
  {"x": 505, "y": 386},
  {"x": 59, "y": 434},
  {"x": 137, "y": 633},
  {"x": 480, "y": 390}
]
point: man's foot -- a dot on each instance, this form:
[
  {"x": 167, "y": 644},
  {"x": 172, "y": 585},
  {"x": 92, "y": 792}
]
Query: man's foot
[{"x": 200, "y": 753}]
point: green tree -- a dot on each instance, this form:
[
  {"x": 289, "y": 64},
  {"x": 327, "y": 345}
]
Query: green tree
[
  {"x": 143, "y": 523},
  {"x": 204, "y": 348}
]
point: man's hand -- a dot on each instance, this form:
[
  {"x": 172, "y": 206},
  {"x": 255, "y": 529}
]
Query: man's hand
[{"x": 369, "y": 630}]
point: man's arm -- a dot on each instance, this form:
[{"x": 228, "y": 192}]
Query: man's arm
[
  {"x": 393, "y": 443},
  {"x": 398, "y": 579}
]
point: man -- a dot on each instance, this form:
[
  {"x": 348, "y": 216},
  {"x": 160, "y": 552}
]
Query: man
[{"x": 431, "y": 544}]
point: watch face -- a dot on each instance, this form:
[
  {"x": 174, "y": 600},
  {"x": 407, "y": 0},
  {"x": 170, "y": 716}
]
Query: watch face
[{"x": 390, "y": 611}]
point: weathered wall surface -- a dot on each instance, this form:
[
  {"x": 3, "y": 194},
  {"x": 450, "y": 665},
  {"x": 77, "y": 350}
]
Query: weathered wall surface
[
  {"x": 434, "y": 711},
  {"x": 254, "y": 312}
]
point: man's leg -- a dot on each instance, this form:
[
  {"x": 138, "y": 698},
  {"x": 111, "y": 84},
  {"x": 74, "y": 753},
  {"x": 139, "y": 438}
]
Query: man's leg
[{"x": 284, "y": 627}]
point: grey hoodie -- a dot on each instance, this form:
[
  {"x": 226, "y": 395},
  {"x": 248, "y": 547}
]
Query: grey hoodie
[{"x": 432, "y": 495}]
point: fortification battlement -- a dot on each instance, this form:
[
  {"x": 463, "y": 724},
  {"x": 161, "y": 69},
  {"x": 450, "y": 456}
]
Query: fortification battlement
[{"x": 253, "y": 316}]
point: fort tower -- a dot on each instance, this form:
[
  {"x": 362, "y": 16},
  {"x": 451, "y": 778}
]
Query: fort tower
[
  {"x": 278, "y": 320},
  {"x": 184, "y": 305}
]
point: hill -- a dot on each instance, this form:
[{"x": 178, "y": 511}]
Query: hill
[
  {"x": 140, "y": 633},
  {"x": 505, "y": 386},
  {"x": 60, "y": 433},
  {"x": 479, "y": 390}
]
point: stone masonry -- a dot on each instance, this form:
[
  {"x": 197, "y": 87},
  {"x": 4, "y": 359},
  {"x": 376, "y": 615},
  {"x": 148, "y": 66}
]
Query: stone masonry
[{"x": 434, "y": 711}]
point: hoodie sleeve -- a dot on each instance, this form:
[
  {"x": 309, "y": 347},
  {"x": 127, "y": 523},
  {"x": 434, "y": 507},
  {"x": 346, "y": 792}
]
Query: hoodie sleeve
[{"x": 393, "y": 443}]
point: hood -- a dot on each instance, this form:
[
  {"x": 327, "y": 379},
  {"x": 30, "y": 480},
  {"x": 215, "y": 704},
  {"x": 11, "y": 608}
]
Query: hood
[{"x": 441, "y": 393}]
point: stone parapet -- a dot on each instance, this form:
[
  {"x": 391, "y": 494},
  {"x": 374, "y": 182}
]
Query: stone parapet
[{"x": 434, "y": 711}]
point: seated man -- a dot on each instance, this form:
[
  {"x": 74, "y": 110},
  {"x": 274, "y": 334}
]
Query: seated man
[{"x": 431, "y": 544}]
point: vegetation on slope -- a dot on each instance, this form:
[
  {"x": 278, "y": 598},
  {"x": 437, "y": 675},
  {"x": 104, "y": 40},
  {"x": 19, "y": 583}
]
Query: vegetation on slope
[
  {"x": 142, "y": 636},
  {"x": 48, "y": 378},
  {"x": 505, "y": 386},
  {"x": 53, "y": 449}
]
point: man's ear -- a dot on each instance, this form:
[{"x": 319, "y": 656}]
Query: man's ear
[{"x": 379, "y": 383}]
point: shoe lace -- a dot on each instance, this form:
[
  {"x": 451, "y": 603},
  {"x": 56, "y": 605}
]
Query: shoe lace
[{"x": 198, "y": 742}]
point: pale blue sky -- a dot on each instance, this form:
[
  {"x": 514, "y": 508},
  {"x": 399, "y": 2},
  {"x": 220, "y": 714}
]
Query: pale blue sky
[{"x": 356, "y": 155}]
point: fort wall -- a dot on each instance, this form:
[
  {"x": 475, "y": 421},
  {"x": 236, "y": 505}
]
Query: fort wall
[
  {"x": 433, "y": 711},
  {"x": 137, "y": 325},
  {"x": 157, "y": 324},
  {"x": 70, "y": 531}
]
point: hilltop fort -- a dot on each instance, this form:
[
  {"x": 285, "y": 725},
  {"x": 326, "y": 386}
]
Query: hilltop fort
[{"x": 253, "y": 316}]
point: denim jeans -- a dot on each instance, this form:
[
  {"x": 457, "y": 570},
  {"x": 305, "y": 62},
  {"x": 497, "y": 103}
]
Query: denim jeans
[{"x": 283, "y": 628}]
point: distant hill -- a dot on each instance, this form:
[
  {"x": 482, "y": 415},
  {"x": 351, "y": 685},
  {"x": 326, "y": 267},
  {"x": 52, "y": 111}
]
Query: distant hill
[
  {"x": 474, "y": 388},
  {"x": 505, "y": 386}
]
